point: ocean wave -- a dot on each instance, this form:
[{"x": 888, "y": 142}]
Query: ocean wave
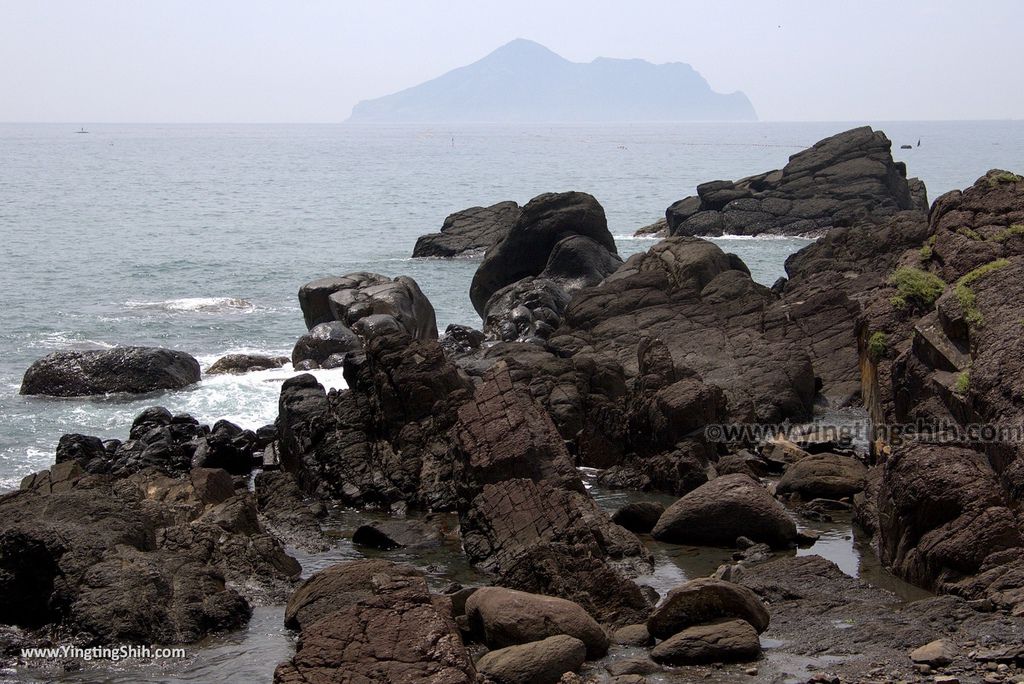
[
  {"x": 66, "y": 339},
  {"x": 638, "y": 237},
  {"x": 196, "y": 305}
]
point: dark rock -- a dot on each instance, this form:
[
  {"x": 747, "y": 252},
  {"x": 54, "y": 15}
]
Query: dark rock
[
  {"x": 846, "y": 178},
  {"x": 355, "y": 296},
  {"x": 508, "y": 518},
  {"x": 829, "y": 476},
  {"x": 687, "y": 293},
  {"x": 245, "y": 363},
  {"x": 502, "y": 433},
  {"x": 285, "y": 511},
  {"x": 537, "y": 662},
  {"x": 725, "y": 508},
  {"x": 633, "y": 635},
  {"x": 393, "y": 629},
  {"x": 941, "y": 514},
  {"x": 723, "y": 641},
  {"x": 469, "y": 232},
  {"x": 571, "y": 572},
  {"x": 398, "y": 534},
  {"x": 504, "y": 617},
  {"x": 543, "y": 223},
  {"x": 133, "y": 370},
  {"x": 639, "y": 516},
  {"x": 385, "y": 439},
  {"x": 323, "y": 341},
  {"x": 145, "y": 559},
  {"x": 704, "y": 600}
]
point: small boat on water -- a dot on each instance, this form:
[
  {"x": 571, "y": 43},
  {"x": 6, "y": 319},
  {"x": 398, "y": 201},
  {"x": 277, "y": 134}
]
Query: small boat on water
[{"x": 81, "y": 130}]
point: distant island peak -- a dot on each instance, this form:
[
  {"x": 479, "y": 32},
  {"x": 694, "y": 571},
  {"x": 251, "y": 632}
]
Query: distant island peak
[{"x": 524, "y": 81}]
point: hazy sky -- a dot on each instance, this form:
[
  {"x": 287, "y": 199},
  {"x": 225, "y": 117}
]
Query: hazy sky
[{"x": 310, "y": 61}]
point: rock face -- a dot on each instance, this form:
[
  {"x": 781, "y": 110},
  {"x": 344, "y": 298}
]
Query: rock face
[
  {"x": 357, "y": 296},
  {"x": 845, "y": 179},
  {"x": 559, "y": 243},
  {"x": 236, "y": 364},
  {"x": 134, "y": 370},
  {"x": 469, "y": 232},
  {"x": 945, "y": 514},
  {"x": 725, "y": 508},
  {"x": 384, "y": 440},
  {"x": 538, "y": 662},
  {"x": 941, "y": 514},
  {"x": 703, "y": 306},
  {"x": 706, "y": 600},
  {"x": 724, "y": 641},
  {"x": 393, "y": 629},
  {"x": 504, "y": 617},
  {"x": 143, "y": 559}
]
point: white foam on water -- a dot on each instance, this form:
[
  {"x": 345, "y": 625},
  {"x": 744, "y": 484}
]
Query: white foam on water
[
  {"x": 68, "y": 339},
  {"x": 761, "y": 238},
  {"x": 196, "y": 305}
]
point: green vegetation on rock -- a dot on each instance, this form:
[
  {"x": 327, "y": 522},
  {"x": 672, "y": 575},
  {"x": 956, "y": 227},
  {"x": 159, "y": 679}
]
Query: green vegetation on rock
[
  {"x": 878, "y": 344},
  {"x": 963, "y": 383},
  {"x": 965, "y": 295},
  {"x": 915, "y": 286}
]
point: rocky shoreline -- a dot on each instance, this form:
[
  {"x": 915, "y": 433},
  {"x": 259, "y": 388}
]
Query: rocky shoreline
[{"x": 642, "y": 369}]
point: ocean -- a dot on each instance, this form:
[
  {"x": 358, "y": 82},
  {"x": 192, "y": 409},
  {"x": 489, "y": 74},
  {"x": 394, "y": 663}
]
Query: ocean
[{"x": 197, "y": 237}]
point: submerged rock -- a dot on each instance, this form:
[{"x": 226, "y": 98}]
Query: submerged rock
[
  {"x": 236, "y": 364},
  {"x": 134, "y": 370}
]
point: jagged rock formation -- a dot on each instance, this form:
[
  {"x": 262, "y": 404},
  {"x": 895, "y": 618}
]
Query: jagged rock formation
[
  {"x": 469, "y": 232},
  {"x": 842, "y": 180},
  {"x": 938, "y": 350}
]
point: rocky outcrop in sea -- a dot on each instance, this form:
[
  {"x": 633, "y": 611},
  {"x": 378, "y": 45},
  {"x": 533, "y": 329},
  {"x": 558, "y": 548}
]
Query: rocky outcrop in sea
[{"x": 472, "y": 444}]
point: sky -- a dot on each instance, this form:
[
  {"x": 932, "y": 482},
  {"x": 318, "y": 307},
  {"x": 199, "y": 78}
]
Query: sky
[{"x": 298, "y": 61}]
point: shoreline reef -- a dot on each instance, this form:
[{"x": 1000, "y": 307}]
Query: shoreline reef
[{"x": 657, "y": 371}]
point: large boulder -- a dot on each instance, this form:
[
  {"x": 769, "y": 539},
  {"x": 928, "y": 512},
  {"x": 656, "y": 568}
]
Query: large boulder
[
  {"x": 356, "y": 296},
  {"x": 846, "y": 178},
  {"x": 469, "y": 232},
  {"x": 504, "y": 617},
  {"x": 705, "y": 600},
  {"x": 828, "y": 476},
  {"x": 724, "y": 641},
  {"x": 538, "y": 662},
  {"x": 323, "y": 341},
  {"x": 725, "y": 508},
  {"x": 134, "y": 370},
  {"x": 392, "y": 628},
  {"x": 544, "y": 222}
]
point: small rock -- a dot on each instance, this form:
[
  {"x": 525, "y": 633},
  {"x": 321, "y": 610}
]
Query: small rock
[
  {"x": 633, "y": 635},
  {"x": 934, "y": 654}
]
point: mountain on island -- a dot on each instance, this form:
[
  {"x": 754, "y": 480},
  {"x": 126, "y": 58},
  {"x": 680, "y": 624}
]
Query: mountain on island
[{"x": 525, "y": 81}]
